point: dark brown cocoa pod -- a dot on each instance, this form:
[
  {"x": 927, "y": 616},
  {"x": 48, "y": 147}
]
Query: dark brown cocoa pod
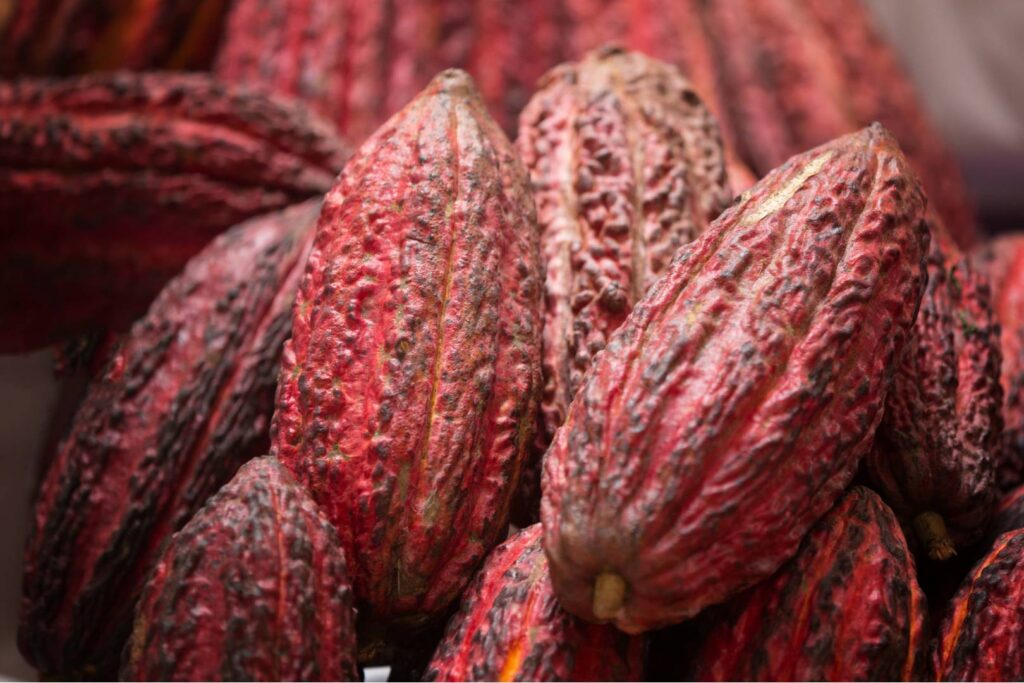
[
  {"x": 110, "y": 183},
  {"x": 732, "y": 408},
  {"x": 510, "y": 627},
  {"x": 934, "y": 457},
  {"x": 410, "y": 382},
  {"x": 847, "y": 607},
  {"x": 182, "y": 403},
  {"x": 253, "y": 588},
  {"x": 1002, "y": 260},
  {"x": 627, "y": 166}
]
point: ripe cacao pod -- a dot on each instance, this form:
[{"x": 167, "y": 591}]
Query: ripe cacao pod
[
  {"x": 934, "y": 455},
  {"x": 731, "y": 409},
  {"x": 110, "y": 183},
  {"x": 1002, "y": 259},
  {"x": 62, "y": 37},
  {"x": 847, "y": 607},
  {"x": 980, "y": 638},
  {"x": 626, "y": 165},
  {"x": 183, "y": 402},
  {"x": 510, "y": 627},
  {"x": 253, "y": 588},
  {"x": 410, "y": 382}
]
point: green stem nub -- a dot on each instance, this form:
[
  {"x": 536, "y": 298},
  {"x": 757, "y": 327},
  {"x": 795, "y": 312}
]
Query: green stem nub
[
  {"x": 609, "y": 594},
  {"x": 931, "y": 529}
]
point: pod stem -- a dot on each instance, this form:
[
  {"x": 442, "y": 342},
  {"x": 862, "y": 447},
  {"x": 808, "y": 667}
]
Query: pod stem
[
  {"x": 931, "y": 529},
  {"x": 609, "y": 594}
]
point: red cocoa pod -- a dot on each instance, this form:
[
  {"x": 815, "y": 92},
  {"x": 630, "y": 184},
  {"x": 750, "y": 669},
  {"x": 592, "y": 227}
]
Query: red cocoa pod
[
  {"x": 731, "y": 409},
  {"x": 847, "y": 607},
  {"x": 934, "y": 455},
  {"x": 984, "y": 625},
  {"x": 253, "y": 588},
  {"x": 63, "y": 37},
  {"x": 510, "y": 627},
  {"x": 408, "y": 388},
  {"x": 116, "y": 180},
  {"x": 1002, "y": 259},
  {"x": 627, "y": 166},
  {"x": 1009, "y": 513},
  {"x": 183, "y": 402},
  {"x": 879, "y": 89}
]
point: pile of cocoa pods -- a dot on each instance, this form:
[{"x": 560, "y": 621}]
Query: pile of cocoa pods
[{"x": 506, "y": 340}]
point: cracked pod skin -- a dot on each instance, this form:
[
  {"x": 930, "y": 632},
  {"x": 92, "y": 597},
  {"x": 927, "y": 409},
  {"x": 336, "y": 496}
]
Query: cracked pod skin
[
  {"x": 253, "y": 588},
  {"x": 1002, "y": 259},
  {"x": 731, "y": 409},
  {"x": 510, "y": 627},
  {"x": 627, "y": 166},
  {"x": 847, "y": 607},
  {"x": 62, "y": 37},
  {"x": 983, "y": 633},
  {"x": 934, "y": 455},
  {"x": 408, "y": 388},
  {"x": 185, "y": 399},
  {"x": 110, "y": 183}
]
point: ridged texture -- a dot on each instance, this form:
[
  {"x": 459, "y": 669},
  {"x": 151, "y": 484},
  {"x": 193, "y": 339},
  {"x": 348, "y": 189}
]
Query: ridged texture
[
  {"x": 846, "y": 608},
  {"x": 253, "y": 588},
  {"x": 184, "y": 401},
  {"x": 511, "y": 628},
  {"x": 627, "y": 166},
  {"x": 1009, "y": 514},
  {"x": 733, "y": 406},
  {"x": 62, "y": 37},
  {"x": 983, "y": 632},
  {"x": 409, "y": 385},
  {"x": 934, "y": 456},
  {"x": 111, "y": 182},
  {"x": 1002, "y": 259}
]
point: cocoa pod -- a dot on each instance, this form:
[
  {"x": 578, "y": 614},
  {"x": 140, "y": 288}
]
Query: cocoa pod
[
  {"x": 934, "y": 455},
  {"x": 111, "y": 183},
  {"x": 511, "y": 628},
  {"x": 64, "y": 37},
  {"x": 183, "y": 402},
  {"x": 1002, "y": 259},
  {"x": 981, "y": 634},
  {"x": 733, "y": 406},
  {"x": 253, "y": 588},
  {"x": 408, "y": 387},
  {"x": 1009, "y": 513},
  {"x": 847, "y": 607},
  {"x": 627, "y": 166}
]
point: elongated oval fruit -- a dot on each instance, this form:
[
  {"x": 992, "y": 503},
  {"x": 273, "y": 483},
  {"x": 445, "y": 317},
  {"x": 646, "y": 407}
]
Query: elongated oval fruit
[
  {"x": 510, "y": 627},
  {"x": 847, "y": 607},
  {"x": 733, "y": 406},
  {"x": 110, "y": 183},
  {"x": 934, "y": 456},
  {"x": 627, "y": 166},
  {"x": 981, "y": 636},
  {"x": 183, "y": 402},
  {"x": 1002, "y": 259},
  {"x": 408, "y": 388},
  {"x": 253, "y": 588}
]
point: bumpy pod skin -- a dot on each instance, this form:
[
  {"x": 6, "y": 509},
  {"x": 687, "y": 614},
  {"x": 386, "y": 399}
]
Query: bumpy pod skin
[
  {"x": 62, "y": 37},
  {"x": 982, "y": 635},
  {"x": 111, "y": 183},
  {"x": 184, "y": 401},
  {"x": 1002, "y": 259},
  {"x": 409, "y": 385},
  {"x": 510, "y": 627},
  {"x": 1009, "y": 514},
  {"x": 253, "y": 588},
  {"x": 627, "y": 166},
  {"x": 847, "y": 607},
  {"x": 732, "y": 408},
  {"x": 934, "y": 455}
]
